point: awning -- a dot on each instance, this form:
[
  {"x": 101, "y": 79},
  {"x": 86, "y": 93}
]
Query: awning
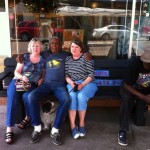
[{"x": 84, "y": 11}]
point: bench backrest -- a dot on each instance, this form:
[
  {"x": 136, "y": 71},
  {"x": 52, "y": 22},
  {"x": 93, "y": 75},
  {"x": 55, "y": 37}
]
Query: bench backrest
[{"x": 108, "y": 75}]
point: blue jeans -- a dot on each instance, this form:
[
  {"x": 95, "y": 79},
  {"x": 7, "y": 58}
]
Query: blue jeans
[
  {"x": 13, "y": 98},
  {"x": 80, "y": 98},
  {"x": 42, "y": 91}
]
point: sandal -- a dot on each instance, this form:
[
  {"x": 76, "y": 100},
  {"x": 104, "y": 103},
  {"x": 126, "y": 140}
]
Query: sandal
[
  {"x": 23, "y": 124},
  {"x": 9, "y": 136}
]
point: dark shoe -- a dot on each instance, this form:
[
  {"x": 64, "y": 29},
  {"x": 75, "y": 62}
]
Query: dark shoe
[
  {"x": 56, "y": 138},
  {"x": 82, "y": 131},
  {"x": 35, "y": 136},
  {"x": 75, "y": 133},
  {"x": 122, "y": 138},
  {"x": 23, "y": 124},
  {"x": 9, "y": 136}
]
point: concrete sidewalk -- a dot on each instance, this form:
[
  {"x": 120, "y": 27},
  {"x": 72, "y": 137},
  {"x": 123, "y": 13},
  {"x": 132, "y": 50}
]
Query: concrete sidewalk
[{"x": 102, "y": 127}]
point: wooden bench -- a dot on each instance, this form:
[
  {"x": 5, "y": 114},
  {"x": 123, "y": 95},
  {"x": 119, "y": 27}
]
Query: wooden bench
[{"x": 108, "y": 75}]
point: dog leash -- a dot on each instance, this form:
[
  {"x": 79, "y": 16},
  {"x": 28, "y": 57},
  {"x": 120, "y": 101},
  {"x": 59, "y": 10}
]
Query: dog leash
[{"x": 75, "y": 89}]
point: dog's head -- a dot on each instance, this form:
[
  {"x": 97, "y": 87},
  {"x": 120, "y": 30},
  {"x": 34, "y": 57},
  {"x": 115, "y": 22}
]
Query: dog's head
[
  {"x": 45, "y": 44},
  {"x": 49, "y": 107}
]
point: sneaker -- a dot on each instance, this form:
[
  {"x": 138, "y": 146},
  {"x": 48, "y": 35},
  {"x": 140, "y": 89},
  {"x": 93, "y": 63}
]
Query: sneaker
[
  {"x": 35, "y": 136},
  {"x": 122, "y": 138},
  {"x": 75, "y": 133},
  {"x": 82, "y": 131},
  {"x": 56, "y": 138}
]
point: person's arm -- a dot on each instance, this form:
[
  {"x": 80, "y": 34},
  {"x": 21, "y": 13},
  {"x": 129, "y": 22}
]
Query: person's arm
[
  {"x": 42, "y": 78},
  {"x": 18, "y": 71},
  {"x": 69, "y": 81},
  {"x": 67, "y": 77},
  {"x": 135, "y": 92},
  {"x": 85, "y": 82},
  {"x": 90, "y": 69}
]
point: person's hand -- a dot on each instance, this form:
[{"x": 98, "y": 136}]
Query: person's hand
[
  {"x": 146, "y": 98},
  {"x": 19, "y": 58},
  {"x": 80, "y": 86},
  {"x": 40, "y": 81},
  {"x": 25, "y": 79},
  {"x": 88, "y": 56}
]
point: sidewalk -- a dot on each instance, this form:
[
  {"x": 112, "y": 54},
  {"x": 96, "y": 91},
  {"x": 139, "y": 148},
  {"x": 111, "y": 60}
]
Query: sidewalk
[{"x": 102, "y": 127}]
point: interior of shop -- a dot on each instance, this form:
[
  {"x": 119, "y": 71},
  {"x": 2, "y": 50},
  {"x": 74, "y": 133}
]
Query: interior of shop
[{"x": 110, "y": 29}]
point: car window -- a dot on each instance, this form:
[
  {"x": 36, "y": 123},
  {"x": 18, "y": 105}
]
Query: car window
[
  {"x": 111, "y": 27},
  {"x": 116, "y": 27},
  {"x": 22, "y": 24},
  {"x": 33, "y": 24},
  {"x": 121, "y": 28}
]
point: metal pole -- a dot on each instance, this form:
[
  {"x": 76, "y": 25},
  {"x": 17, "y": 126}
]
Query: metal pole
[{"x": 132, "y": 27}]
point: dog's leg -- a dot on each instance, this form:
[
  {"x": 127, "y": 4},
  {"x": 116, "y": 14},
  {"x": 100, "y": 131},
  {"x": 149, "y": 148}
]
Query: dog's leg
[{"x": 46, "y": 126}]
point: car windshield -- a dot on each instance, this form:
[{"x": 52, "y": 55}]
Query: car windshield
[
  {"x": 33, "y": 24},
  {"x": 118, "y": 27},
  {"x": 22, "y": 24}
]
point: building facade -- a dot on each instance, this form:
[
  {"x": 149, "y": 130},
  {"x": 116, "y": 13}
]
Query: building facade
[{"x": 110, "y": 29}]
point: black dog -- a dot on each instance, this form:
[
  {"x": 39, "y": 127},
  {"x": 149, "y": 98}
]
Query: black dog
[
  {"x": 48, "y": 113},
  {"x": 46, "y": 107}
]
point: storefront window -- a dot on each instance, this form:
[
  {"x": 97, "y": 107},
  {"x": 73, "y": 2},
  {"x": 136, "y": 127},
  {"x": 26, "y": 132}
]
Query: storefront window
[
  {"x": 104, "y": 25},
  {"x": 2, "y": 5},
  {"x": 142, "y": 25}
]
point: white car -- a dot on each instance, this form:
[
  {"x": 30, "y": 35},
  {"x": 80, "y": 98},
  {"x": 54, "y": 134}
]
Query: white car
[{"x": 113, "y": 32}]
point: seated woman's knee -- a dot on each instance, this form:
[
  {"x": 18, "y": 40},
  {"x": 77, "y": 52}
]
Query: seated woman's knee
[{"x": 81, "y": 96}]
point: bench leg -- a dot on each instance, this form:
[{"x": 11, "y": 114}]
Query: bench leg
[{"x": 140, "y": 109}]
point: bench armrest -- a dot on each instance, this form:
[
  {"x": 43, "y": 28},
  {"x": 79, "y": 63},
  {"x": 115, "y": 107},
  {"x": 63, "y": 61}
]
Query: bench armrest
[{"x": 4, "y": 75}]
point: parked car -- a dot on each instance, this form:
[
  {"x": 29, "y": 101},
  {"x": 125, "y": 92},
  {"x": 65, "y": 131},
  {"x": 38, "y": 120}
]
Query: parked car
[
  {"x": 146, "y": 31},
  {"x": 27, "y": 30},
  {"x": 112, "y": 32}
]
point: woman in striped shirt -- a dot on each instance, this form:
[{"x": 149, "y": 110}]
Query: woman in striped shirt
[{"x": 81, "y": 86}]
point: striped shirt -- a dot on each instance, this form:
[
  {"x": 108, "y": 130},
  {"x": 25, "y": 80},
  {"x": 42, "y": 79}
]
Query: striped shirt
[{"x": 79, "y": 69}]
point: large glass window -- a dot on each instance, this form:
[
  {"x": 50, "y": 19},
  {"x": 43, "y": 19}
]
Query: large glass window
[
  {"x": 2, "y": 5},
  {"x": 105, "y": 26},
  {"x": 142, "y": 25}
]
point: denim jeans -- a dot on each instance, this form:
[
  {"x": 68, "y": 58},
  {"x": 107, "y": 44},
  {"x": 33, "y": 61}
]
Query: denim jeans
[
  {"x": 13, "y": 98},
  {"x": 80, "y": 98},
  {"x": 42, "y": 91}
]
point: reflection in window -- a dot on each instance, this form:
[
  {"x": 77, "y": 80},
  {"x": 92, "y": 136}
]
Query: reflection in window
[
  {"x": 45, "y": 19},
  {"x": 2, "y": 5}
]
